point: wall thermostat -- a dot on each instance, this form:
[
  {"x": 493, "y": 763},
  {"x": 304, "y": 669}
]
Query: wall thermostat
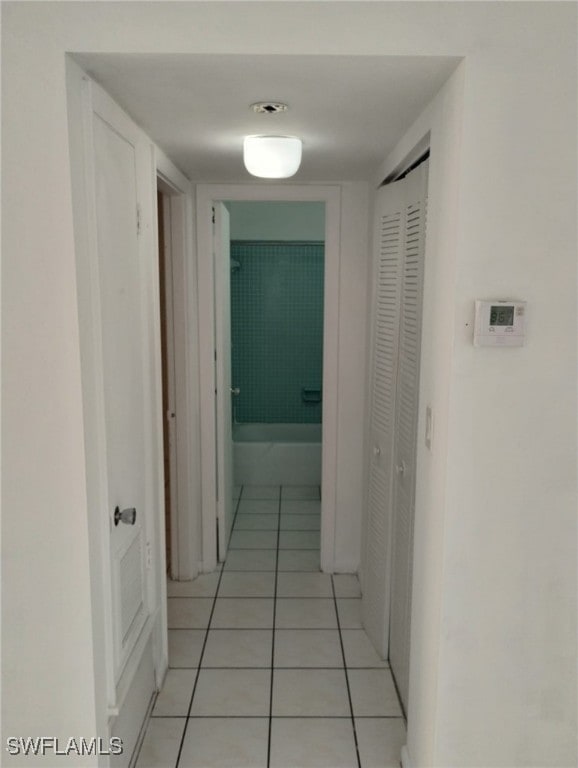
[{"x": 499, "y": 323}]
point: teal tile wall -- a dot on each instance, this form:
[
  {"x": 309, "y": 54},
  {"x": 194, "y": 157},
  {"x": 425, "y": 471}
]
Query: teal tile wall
[{"x": 277, "y": 331}]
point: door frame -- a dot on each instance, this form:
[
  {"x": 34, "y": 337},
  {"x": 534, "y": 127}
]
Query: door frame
[
  {"x": 182, "y": 353},
  {"x": 206, "y": 195}
]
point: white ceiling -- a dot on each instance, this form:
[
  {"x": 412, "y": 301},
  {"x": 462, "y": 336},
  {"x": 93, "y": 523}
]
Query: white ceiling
[{"x": 349, "y": 110}]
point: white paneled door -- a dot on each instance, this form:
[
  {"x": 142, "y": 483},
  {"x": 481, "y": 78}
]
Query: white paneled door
[
  {"x": 121, "y": 168},
  {"x": 223, "y": 386},
  {"x": 396, "y": 345}
]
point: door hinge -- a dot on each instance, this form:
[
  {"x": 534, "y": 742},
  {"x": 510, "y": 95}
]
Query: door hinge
[
  {"x": 213, "y": 215},
  {"x": 138, "y": 219}
]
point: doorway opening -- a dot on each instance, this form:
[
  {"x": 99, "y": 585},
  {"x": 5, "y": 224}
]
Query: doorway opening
[
  {"x": 274, "y": 272},
  {"x": 277, "y": 268}
]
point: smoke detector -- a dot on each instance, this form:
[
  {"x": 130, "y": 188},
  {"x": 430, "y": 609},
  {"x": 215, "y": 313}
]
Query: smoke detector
[{"x": 269, "y": 107}]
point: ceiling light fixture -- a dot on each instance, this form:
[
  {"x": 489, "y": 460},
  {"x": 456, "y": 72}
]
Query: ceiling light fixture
[{"x": 272, "y": 157}]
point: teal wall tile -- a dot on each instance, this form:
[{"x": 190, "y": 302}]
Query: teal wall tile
[{"x": 277, "y": 331}]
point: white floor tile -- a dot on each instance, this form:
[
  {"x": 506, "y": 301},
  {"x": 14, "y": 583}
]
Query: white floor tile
[
  {"x": 380, "y": 741},
  {"x": 300, "y": 522},
  {"x": 300, "y": 492},
  {"x": 304, "y": 585},
  {"x": 258, "y": 507},
  {"x": 261, "y": 492},
  {"x": 236, "y": 492},
  {"x": 189, "y": 612},
  {"x": 359, "y": 651},
  {"x": 230, "y": 692},
  {"x": 299, "y": 560},
  {"x": 312, "y": 743},
  {"x": 243, "y": 613},
  {"x": 373, "y": 693},
  {"x": 185, "y": 646},
  {"x": 247, "y": 584},
  {"x": 204, "y": 585},
  {"x": 349, "y": 612},
  {"x": 299, "y": 539},
  {"x": 307, "y": 648},
  {"x": 238, "y": 648},
  {"x": 225, "y": 743},
  {"x": 305, "y": 613},
  {"x": 251, "y": 560},
  {"x": 252, "y": 521},
  {"x": 346, "y": 585},
  {"x": 175, "y": 696},
  {"x": 310, "y": 693},
  {"x": 161, "y": 744},
  {"x": 253, "y": 540},
  {"x": 310, "y": 507}
]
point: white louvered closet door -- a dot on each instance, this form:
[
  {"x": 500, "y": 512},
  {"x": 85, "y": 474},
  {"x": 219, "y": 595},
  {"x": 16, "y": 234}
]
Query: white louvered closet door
[
  {"x": 396, "y": 334},
  {"x": 405, "y": 441}
]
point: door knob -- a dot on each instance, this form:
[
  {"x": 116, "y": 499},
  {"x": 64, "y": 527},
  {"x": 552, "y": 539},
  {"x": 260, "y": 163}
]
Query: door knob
[{"x": 127, "y": 516}]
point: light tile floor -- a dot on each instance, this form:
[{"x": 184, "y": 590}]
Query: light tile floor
[{"x": 269, "y": 666}]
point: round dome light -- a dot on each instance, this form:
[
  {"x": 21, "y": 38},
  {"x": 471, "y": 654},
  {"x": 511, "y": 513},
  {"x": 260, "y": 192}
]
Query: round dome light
[{"x": 272, "y": 157}]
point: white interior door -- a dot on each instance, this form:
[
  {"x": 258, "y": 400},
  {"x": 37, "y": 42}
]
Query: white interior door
[
  {"x": 118, "y": 154},
  {"x": 405, "y": 440},
  {"x": 223, "y": 388},
  {"x": 396, "y": 336}
]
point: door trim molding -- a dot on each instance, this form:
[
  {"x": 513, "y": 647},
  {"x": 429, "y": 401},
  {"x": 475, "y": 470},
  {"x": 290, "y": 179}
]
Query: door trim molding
[{"x": 331, "y": 196}]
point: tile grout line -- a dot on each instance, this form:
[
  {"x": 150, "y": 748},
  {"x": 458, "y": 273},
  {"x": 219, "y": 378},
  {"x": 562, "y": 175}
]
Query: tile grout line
[
  {"x": 204, "y": 647},
  {"x": 346, "y": 675},
  {"x": 274, "y": 629}
]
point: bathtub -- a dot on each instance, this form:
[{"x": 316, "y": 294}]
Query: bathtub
[{"x": 277, "y": 454}]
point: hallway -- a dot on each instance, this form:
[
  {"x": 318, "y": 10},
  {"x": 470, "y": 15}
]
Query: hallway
[{"x": 268, "y": 663}]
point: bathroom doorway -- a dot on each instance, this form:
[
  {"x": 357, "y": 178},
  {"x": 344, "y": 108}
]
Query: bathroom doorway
[{"x": 282, "y": 267}]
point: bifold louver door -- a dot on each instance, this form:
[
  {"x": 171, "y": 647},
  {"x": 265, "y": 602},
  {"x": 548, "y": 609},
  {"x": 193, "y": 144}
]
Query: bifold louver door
[{"x": 396, "y": 344}]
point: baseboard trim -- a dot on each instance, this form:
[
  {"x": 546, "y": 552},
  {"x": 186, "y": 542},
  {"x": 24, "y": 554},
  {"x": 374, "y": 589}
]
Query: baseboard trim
[{"x": 405, "y": 761}]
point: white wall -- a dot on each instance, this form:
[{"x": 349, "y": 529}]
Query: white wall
[
  {"x": 502, "y": 593},
  {"x": 274, "y": 220}
]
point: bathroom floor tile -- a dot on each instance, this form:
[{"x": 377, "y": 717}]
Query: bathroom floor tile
[
  {"x": 299, "y": 560},
  {"x": 175, "y": 696},
  {"x": 261, "y": 492},
  {"x": 300, "y": 492},
  {"x": 204, "y": 585},
  {"x": 251, "y": 560},
  {"x": 349, "y": 612},
  {"x": 310, "y": 693},
  {"x": 238, "y": 648},
  {"x": 305, "y": 613},
  {"x": 312, "y": 743},
  {"x": 380, "y": 741},
  {"x": 304, "y": 585},
  {"x": 305, "y": 507},
  {"x": 239, "y": 742},
  {"x": 252, "y": 521},
  {"x": 359, "y": 652},
  {"x": 185, "y": 646},
  {"x": 189, "y": 612},
  {"x": 247, "y": 584},
  {"x": 258, "y": 507},
  {"x": 231, "y": 692},
  {"x": 373, "y": 693},
  {"x": 308, "y": 648},
  {"x": 299, "y": 540},
  {"x": 161, "y": 744},
  {"x": 253, "y": 540},
  {"x": 236, "y": 492},
  {"x": 243, "y": 613},
  {"x": 300, "y": 522},
  {"x": 346, "y": 585}
]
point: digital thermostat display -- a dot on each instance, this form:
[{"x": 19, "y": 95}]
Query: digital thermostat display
[
  {"x": 499, "y": 322},
  {"x": 501, "y": 315}
]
